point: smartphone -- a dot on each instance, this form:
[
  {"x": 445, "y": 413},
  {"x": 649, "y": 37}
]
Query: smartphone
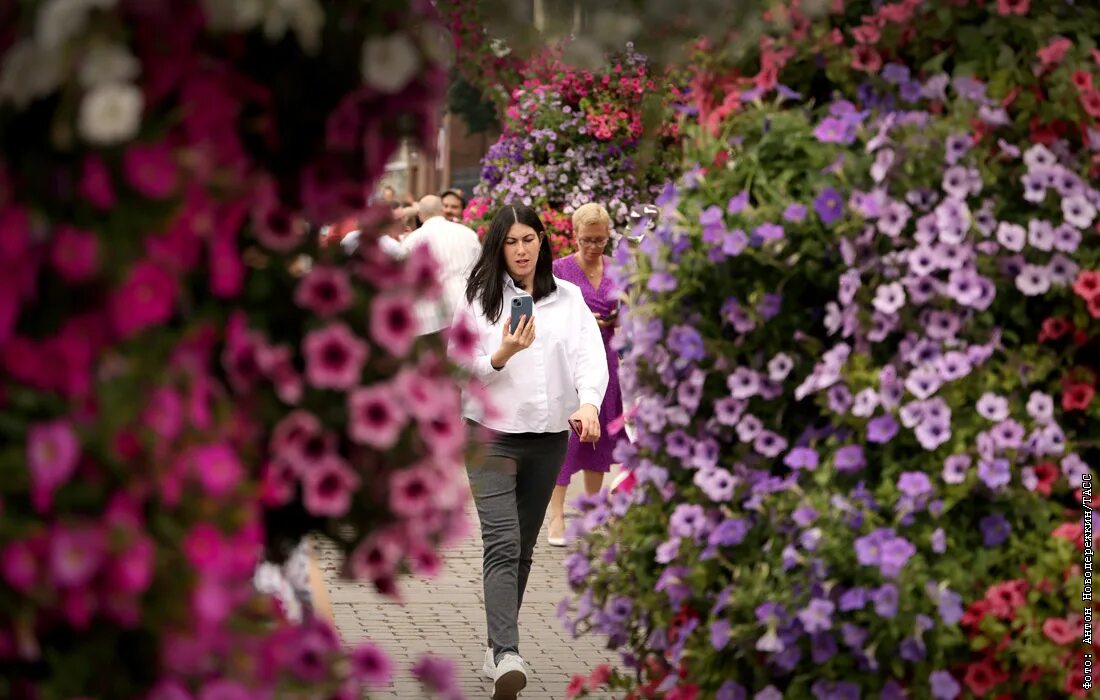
[{"x": 522, "y": 305}]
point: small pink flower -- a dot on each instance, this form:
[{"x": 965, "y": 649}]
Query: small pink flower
[
  {"x": 1053, "y": 53},
  {"x": 206, "y": 548},
  {"x": 76, "y": 555},
  {"x": 310, "y": 655},
  {"x": 211, "y": 601},
  {"x": 370, "y": 665},
  {"x": 131, "y": 571},
  {"x": 277, "y": 484},
  {"x": 376, "y": 557},
  {"x": 462, "y": 339},
  {"x": 424, "y": 560},
  {"x": 150, "y": 169},
  {"x": 411, "y": 491},
  {"x": 19, "y": 565},
  {"x": 74, "y": 253},
  {"x": 52, "y": 455},
  {"x": 334, "y": 357},
  {"x": 325, "y": 291},
  {"x": 78, "y": 605},
  {"x": 241, "y": 356},
  {"x": 328, "y": 487},
  {"x": 147, "y": 298},
  {"x": 277, "y": 363},
  {"x": 95, "y": 183},
  {"x": 164, "y": 413},
  {"x": 276, "y": 226},
  {"x": 217, "y": 468},
  {"x": 293, "y": 429},
  {"x": 392, "y": 323},
  {"x": 423, "y": 272},
  {"x": 423, "y": 396},
  {"x": 445, "y": 434},
  {"x": 374, "y": 416},
  {"x": 226, "y": 267}
]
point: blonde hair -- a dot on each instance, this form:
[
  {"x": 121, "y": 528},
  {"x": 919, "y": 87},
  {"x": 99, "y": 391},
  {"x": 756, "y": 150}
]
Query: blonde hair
[{"x": 591, "y": 214}]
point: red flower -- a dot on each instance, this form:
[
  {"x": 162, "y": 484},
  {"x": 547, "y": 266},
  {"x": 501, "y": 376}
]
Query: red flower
[
  {"x": 1054, "y": 52},
  {"x": 1077, "y": 397},
  {"x": 1071, "y": 532},
  {"x": 1082, "y": 80},
  {"x": 1054, "y": 328},
  {"x": 1094, "y": 311},
  {"x": 575, "y": 687},
  {"x": 1013, "y": 7},
  {"x": 600, "y": 675},
  {"x": 1059, "y": 631},
  {"x": 866, "y": 58},
  {"x": 1046, "y": 474},
  {"x": 974, "y": 614},
  {"x": 866, "y": 34},
  {"x": 1090, "y": 101},
  {"x": 981, "y": 677},
  {"x": 1005, "y": 598},
  {"x": 1087, "y": 284}
]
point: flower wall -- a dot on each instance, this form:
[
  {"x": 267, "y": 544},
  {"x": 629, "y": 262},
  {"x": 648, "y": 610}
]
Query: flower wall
[
  {"x": 187, "y": 382},
  {"x": 571, "y": 137},
  {"x": 863, "y": 344}
]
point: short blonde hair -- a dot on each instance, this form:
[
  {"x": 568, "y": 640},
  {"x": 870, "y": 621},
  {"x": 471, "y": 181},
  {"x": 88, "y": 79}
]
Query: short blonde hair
[{"x": 591, "y": 214}]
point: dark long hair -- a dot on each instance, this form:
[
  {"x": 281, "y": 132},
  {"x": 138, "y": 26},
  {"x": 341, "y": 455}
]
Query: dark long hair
[{"x": 486, "y": 283}]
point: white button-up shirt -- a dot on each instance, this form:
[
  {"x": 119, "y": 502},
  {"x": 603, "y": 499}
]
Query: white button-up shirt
[
  {"x": 541, "y": 386},
  {"x": 456, "y": 248}
]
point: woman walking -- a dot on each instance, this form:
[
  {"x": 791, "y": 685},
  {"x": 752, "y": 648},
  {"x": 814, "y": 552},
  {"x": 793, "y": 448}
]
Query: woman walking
[
  {"x": 542, "y": 376},
  {"x": 585, "y": 268}
]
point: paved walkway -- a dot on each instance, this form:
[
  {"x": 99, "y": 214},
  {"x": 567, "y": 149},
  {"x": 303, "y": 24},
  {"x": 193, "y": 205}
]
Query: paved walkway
[{"x": 445, "y": 616}]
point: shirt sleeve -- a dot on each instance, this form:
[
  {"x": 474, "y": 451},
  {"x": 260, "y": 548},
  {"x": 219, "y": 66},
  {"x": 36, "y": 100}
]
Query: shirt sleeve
[{"x": 590, "y": 372}]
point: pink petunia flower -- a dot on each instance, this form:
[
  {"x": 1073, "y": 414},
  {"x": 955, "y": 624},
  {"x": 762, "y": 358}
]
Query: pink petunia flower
[
  {"x": 376, "y": 557},
  {"x": 169, "y": 690},
  {"x": 392, "y": 323},
  {"x": 95, "y": 183},
  {"x": 217, "y": 468},
  {"x": 411, "y": 491},
  {"x": 370, "y": 665},
  {"x": 150, "y": 169},
  {"x": 462, "y": 339},
  {"x": 131, "y": 571},
  {"x": 19, "y": 565},
  {"x": 52, "y": 455},
  {"x": 293, "y": 430},
  {"x": 328, "y": 487},
  {"x": 206, "y": 548},
  {"x": 277, "y": 483},
  {"x": 444, "y": 434},
  {"x": 422, "y": 273},
  {"x": 375, "y": 417},
  {"x": 164, "y": 413},
  {"x": 211, "y": 601},
  {"x": 334, "y": 357},
  {"x": 277, "y": 363},
  {"x": 1053, "y": 53},
  {"x": 78, "y": 605},
  {"x": 309, "y": 655},
  {"x": 325, "y": 291},
  {"x": 74, "y": 254},
  {"x": 146, "y": 298},
  {"x": 75, "y": 554},
  {"x": 424, "y": 396},
  {"x": 424, "y": 560}
]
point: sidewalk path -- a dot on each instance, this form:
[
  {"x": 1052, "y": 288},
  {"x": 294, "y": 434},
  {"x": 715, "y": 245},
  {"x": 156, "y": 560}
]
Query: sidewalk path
[{"x": 445, "y": 616}]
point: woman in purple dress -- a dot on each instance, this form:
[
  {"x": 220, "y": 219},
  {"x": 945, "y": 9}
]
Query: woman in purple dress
[{"x": 585, "y": 268}]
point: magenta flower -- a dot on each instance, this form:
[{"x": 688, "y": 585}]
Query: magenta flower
[
  {"x": 422, "y": 273},
  {"x": 150, "y": 169},
  {"x": 325, "y": 290},
  {"x": 206, "y": 549},
  {"x": 293, "y": 430},
  {"x": 76, "y": 554},
  {"x": 375, "y": 417},
  {"x": 164, "y": 413},
  {"x": 217, "y": 468},
  {"x": 95, "y": 183},
  {"x": 74, "y": 254},
  {"x": 131, "y": 571},
  {"x": 52, "y": 455},
  {"x": 334, "y": 357},
  {"x": 19, "y": 565},
  {"x": 310, "y": 652},
  {"x": 328, "y": 487},
  {"x": 376, "y": 557},
  {"x": 146, "y": 298},
  {"x": 224, "y": 689},
  {"x": 277, "y": 363},
  {"x": 392, "y": 323},
  {"x": 370, "y": 665}
]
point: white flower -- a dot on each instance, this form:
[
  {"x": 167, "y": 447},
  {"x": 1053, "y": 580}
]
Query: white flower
[
  {"x": 108, "y": 63},
  {"x": 306, "y": 18},
  {"x": 1039, "y": 156},
  {"x": 889, "y": 298},
  {"x": 1078, "y": 211},
  {"x": 239, "y": 15},
  {"x": 389, "y": 62},
  {"x": 779, "y": 367},
  {"x": 1011, "y": 236},
  {"x": 60, "y": 20},
  {"x": 29, "y": 72},
  {"x": 110, "y": 114}
]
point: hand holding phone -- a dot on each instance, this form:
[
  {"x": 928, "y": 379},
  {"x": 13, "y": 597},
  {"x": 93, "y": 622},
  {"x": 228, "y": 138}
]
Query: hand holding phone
[{"x": 522, "y": 306}]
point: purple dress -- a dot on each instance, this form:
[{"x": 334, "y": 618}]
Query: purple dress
[{"x": 603, "y": 301}]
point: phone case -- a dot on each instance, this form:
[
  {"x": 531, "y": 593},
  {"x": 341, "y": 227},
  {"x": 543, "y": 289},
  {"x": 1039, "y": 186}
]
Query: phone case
[{"x": 522, "y": 305}]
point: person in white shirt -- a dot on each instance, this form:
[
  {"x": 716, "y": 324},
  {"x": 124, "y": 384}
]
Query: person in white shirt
[
  {"x": 546, "y": 375},
  {"x": 455, "y": 248}
]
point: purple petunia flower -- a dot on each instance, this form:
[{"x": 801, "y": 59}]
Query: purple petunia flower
[
  {"x": 688, "y": 520},
  {"x": 835, "y": 130},
  {"x": 801, "y": 458},
  {"x": 716, "y": 483},
  {"x": 728, "y": 410},
  {"x": 995, "y": 530},
  {"x": 944, "y": 686},
  {"x": 662, "y": 281},
  {"x": 729, "y": 533},
  {"x": 955, "y": 468},
  {"x": 914, "y": 484},
  {"x": 853, "y": 599},
  {"x": 817, "y": 616},
  {"x": 737, "y": 203},
  {"x": 767, "y": 232},
  {"x": 1033, "y": 280},
  {"x": 686, "y": 342},
  {"x": 939, "y": 541},
  {"x": 885, "y": 599},
  {"x": 849, "y": 458},
  {"x": 769, "y": 444},
  {"x": 829, "y": 206},
  {"x": 731, "y": 691},
  {"x": 994, "y": 472},
  {"x": 993, "y": 407},
  {"x": 882, "y": 429}
]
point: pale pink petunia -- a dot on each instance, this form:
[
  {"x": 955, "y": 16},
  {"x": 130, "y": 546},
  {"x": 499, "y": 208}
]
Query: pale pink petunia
[
  {"x": 411, "y": 491},
  {"x": 377, "y": 556},
  {"x": 52, "y": 455},
  {"x": 277, "y": 483},
  {"x": 423, "y": 273},
  {"x": 328, "y": 487},
  {"x": 445, "y": 434},
  {"x": 425, "y": 396},
  {"x": 424, "y": 560},
  {"x": 375, "y": 417},
  {"x": 483, "y": 401},
  {"x": 164, "y": 413},
  {"x": 370, "y": 665},
  {"x": 74, "y": 254},
  {"x": 76, "y": 554},
  {"x": 150, "y": 169},
  {"x": 325, "y": 290},
  {"x": 217, "y": 468},
  {"x": 392, "y": 323},
  {"x": 131, "y": 570},
  {"x": 334, "y": 357},
  {"x": 146, "y": 298},
  {"x": 19, "y": 565},
  {"x": 293, "y": 429},
  {"x": 462, "y": 339}
]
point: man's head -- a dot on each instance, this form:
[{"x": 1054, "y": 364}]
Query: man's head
[
  {"x": 453, "y": 205},
  {"x": 389, "y": 194},
  {"x": 430, "y": 207}
]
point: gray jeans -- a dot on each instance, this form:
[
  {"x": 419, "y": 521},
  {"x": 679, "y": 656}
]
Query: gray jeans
[{"x": 512, "y": 483}]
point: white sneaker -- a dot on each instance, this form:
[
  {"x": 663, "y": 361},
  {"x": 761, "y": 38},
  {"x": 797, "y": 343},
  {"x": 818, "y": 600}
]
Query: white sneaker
[
  {"x": 511, "y": 677},
  {"x": 489, "y": 668}
]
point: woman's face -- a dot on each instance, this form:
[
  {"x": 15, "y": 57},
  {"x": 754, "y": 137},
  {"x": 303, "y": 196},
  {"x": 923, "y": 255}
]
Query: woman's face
[
  {"x": 592, "y": 240},
  {"x": 521, "y": 251}
]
